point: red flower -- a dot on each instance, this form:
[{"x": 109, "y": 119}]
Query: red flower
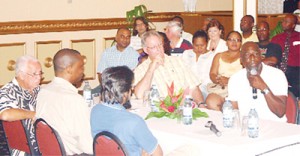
[{"x": 171, "y": 109}]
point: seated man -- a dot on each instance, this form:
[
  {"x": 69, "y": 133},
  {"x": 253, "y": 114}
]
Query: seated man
[
  {"x": 270, "y": 84},
  {"x": 177, "y": 43},
  {"x": 271, "y": 52},
  {"x": 184, "y": 35},
  {"x": 18, "y": 97},
  {"x": 120, "y": 54},
  {"x": 112, "y": 116},
  {"x": 162, "y": 70},
  {"x": 63, "y": 108}
]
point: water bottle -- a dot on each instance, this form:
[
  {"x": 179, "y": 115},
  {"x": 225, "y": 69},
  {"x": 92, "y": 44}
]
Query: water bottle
[
  {"x": 154, "y": 98},
  {"x": 187, "y": 111},
  {"x": 253, "y": 125},
  {"x": 87, "y": 93},
  {"x": 227, "y": 114}
]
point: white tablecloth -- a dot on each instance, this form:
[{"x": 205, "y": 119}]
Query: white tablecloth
[{"x": 275, "y": 138}]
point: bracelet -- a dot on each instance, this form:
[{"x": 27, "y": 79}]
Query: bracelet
[{"x": 201, "y": 103}]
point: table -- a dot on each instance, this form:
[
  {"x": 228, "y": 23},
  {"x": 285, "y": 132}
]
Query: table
[{"x": 275, "y": 138}]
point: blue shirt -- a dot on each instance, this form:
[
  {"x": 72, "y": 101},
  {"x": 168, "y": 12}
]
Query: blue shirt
[
  {"x": 112, "y": 57},
  {"x": 130, "y": 128}
]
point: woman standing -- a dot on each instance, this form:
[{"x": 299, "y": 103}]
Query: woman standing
[{"x": 224, "y": 65}]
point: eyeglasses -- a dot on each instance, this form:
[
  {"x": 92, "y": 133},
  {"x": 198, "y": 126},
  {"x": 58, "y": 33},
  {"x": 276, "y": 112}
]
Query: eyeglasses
[
  {"x": 263, "y": 29},
  {"x": 155, "y": 47},
  {"x": 234, "y": 40},
  {"x": 34, "y": 74}
]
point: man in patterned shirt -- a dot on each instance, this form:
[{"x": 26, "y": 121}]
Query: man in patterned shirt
[
  {"x": 162, "y": 70},
  {"x": 18, "y": 97}
]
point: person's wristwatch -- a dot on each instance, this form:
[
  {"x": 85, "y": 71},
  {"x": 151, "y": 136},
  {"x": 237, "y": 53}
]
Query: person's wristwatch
[
  {"x": 265, "y": 91},
  {"x": 201, "y": 103}
]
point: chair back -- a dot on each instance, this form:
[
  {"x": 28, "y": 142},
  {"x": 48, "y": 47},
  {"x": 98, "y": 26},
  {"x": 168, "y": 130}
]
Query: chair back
[
  {"x": 48, "y": 140},
  {"x": 106, "y": 143},
  {"x": 16, "y": 135},
  {"x": 291, "y": 111}
]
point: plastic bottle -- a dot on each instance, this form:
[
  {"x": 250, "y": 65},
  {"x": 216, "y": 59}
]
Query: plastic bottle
[
  {"x": 187, "y": 111},
  {"x": 87, "y": 93},
  {"x": 253, "y": 123},
  {"x": 227, "y": 114},
  {"x": 154, "y": 98}
]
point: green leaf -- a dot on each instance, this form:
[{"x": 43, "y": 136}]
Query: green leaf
[
  {"x": 155, "y": 114},
  {"x": 198, "y": 114}
]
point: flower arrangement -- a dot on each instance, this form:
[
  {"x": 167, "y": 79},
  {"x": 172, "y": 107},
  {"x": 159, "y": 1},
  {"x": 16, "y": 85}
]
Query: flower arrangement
[{"x": 169, "y": 107}]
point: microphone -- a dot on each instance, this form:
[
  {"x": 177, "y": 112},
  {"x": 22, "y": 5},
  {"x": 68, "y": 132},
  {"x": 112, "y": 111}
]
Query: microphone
[
  {"x": 253, "y": 71},
  {"x": 213, "y": 128},
  {"x": 254, "y": 93}
]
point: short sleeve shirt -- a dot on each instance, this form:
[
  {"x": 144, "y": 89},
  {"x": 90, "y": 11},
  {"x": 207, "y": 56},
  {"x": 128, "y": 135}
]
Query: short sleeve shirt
[
  {"x": 14, "y": 96},
  {"x": 112, "y": 57},
  {"x": 130, "y": 128}
]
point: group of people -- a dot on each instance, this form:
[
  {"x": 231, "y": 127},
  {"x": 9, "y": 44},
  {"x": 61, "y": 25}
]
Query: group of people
[{"x": 211, "y": 67}]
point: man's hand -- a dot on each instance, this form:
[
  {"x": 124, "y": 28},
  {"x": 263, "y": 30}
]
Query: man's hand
[
  {"x": 257, "y": 82},
  {"x": 158, "y": 61}
]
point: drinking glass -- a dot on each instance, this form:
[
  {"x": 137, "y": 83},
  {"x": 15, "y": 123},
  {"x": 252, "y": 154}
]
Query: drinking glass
[
  {"x": 146, "y": 99},
  {"x": 179, "y": 114},
  {"x": 236, "y": 119},
  {"x": 244, "y": 126}
]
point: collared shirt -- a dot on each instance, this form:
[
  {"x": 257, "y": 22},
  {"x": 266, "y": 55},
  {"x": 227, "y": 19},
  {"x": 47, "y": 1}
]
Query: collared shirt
[
  {"x": 201, "y": 67},
  {"x": 239, "y": 90},
  {"x": 173, "y": 70},
  {"x": 112, "y": 57},
  {"x": 294, "y": 51},
  {"x": 14, "y": 96},
  {"x": 180, "y": 47},
  {"x": 130, "y": 128},
  {"x": 187, "y": 36},
  {"x": 67, "y": 112},
  {"x": 252, "y": 37}
]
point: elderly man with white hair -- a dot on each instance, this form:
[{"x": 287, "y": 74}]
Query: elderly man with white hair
[
  {"x": 18, "y": 97},
  {"x": 177, "y": 43}
]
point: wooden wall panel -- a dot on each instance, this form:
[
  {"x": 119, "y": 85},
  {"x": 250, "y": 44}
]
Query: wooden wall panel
[
  {"x": 45, "y": 51},
  {"x": 8, "y": 55},
  {"x": 87, "y": 49}
]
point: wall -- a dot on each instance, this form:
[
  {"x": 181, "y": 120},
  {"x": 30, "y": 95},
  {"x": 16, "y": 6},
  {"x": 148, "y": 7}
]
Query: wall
[
  {"x": 177, "y": 5},
  {"x": 26, "y": 10},
  {"x": 36, "y": 10}
]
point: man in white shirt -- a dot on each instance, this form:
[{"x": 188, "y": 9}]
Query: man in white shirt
[
  {"x": 267, "y": 82},
  {"x": 63, "y": 108}
]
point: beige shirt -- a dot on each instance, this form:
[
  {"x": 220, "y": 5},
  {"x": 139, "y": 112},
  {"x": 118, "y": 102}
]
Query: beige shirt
[
  {"x": 252, "y": 38},
  {"x": 67, "y": 112},
  {"x": 173, "y": 69}
]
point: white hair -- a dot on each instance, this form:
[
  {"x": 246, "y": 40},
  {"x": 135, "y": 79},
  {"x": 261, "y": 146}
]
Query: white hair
[
  {"x": 175, "y": 26},
  {"x": 23, "y": 61}
]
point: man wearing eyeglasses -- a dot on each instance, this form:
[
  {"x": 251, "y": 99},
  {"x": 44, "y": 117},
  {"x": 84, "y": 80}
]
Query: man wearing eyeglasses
[
  {"x": 18, "y": 97},
  {"x": 162, "y": 70},
  {"x": 271, "y": 52}
]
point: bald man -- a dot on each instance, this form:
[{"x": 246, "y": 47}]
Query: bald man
[
  {"x": 62, "y": 107},
  {"x": 270, "y": 83},
  {"x": 289, "y": 42},
  {"x": 120, "y": 54}
]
